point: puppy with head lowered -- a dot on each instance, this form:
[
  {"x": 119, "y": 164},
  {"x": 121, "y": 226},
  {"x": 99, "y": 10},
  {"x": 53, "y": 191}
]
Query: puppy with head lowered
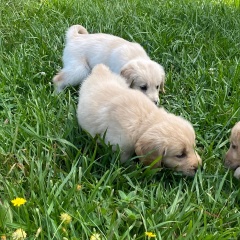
[
  {"x": 83, "y": 51},
  {"x": 232, "y": 159},
  {"x": 127, "y": 118}
]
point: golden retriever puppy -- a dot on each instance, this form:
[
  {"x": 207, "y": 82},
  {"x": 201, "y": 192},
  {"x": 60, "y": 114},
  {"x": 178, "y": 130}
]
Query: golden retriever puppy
[
  {"x": 126, "y": 117},
  {"x": 232, "y": 159},
  {"x": 83, "y": 51}
]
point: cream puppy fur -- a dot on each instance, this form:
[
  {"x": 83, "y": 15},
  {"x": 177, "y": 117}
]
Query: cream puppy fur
[
  {"x": 83, "y": 51},
  {"x": 232, "y": 159},
  {"x": 127, "y": 118}
]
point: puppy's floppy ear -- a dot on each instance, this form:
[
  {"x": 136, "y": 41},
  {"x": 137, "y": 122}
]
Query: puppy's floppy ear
[
  {"x": 150, "y": 151},
  {"x": 128, "y": 72}
]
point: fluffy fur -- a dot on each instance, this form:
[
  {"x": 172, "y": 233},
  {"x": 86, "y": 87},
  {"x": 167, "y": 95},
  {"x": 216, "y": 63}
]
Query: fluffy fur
[
  {"x": 126, "y": 117},
  {"x": 232, "y": 159},
  {"x": 83, "y": 51}
]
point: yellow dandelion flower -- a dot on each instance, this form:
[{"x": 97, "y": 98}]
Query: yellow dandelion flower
[
  {"x": 79, "y": 187},
  {"x": 150, "y": 234},
  {"x": 19, "y": 234},
  {"x": 3, "y": 237},
  {"x": 65, "y": 218},
  {"x": 95, "y": 236},
  {"x": 17, "y": 202}
]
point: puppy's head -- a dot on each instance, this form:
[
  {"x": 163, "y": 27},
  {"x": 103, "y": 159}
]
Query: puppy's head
[
  {"x": 232, "y": 159},
  {"x": 172, "y": 143},
  {"x": 146, "y": 76}
]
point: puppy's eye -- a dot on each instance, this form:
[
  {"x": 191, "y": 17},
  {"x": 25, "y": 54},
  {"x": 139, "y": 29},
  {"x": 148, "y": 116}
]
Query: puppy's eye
[
  {"x": 234, "y": 146},
  {"x": 143, "y": 88},
  {"x": 182, "y": 155},
  {"x": 157, "y": 87}
]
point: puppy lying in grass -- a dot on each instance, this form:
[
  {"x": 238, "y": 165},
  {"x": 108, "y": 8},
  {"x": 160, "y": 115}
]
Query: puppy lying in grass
[
  {"x": 232, "y": 159},
  {"x": 127, "y": 118},
  {"x": 83, "y": 51}
]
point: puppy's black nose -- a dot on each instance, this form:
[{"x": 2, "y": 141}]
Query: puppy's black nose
[{"x": 196, "y": 168}]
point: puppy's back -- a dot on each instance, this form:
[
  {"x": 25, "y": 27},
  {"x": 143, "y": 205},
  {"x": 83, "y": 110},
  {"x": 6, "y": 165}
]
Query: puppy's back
[
  {"x": 104, "y": 86},
  {"x": 97, "y": 91},
  {"x": 102, "y": 82},
  {"x": 105, "y": 97}
]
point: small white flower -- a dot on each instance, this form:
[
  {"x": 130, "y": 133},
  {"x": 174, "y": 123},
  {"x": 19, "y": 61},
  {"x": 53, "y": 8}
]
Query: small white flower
[
  {"x": 211, "y": 70},
  {"x": 38, "y": 232}
]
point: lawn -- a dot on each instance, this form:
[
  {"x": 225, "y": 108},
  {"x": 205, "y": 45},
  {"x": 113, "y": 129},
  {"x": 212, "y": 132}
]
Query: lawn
[{"x": 77, "y": 189}]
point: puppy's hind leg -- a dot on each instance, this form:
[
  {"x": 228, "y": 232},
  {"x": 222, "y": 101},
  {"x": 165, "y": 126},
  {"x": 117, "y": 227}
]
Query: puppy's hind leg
[{"x": 71, "y": 76}]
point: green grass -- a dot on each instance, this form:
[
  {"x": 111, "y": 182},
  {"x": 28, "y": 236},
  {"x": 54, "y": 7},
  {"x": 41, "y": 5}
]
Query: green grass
[{"x": 44, "y": 156}]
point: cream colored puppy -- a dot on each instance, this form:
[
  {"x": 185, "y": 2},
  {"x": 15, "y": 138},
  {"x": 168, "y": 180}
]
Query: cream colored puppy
[
  {"x": 127, "y": 118},
  {"x": 232, "y": 159},
  {"x": 83, "y": 51}
]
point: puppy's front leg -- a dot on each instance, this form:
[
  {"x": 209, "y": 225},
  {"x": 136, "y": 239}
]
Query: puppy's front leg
[{"x": 125, "y": 156}]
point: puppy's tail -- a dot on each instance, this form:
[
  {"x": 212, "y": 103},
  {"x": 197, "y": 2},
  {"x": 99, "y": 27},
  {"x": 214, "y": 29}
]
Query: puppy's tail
[{"x": 74, "y": 31}]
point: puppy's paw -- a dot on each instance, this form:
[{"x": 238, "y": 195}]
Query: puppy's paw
[
  {"x": 58, "y": 82},
  {"x": 237, "y": 173}
]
